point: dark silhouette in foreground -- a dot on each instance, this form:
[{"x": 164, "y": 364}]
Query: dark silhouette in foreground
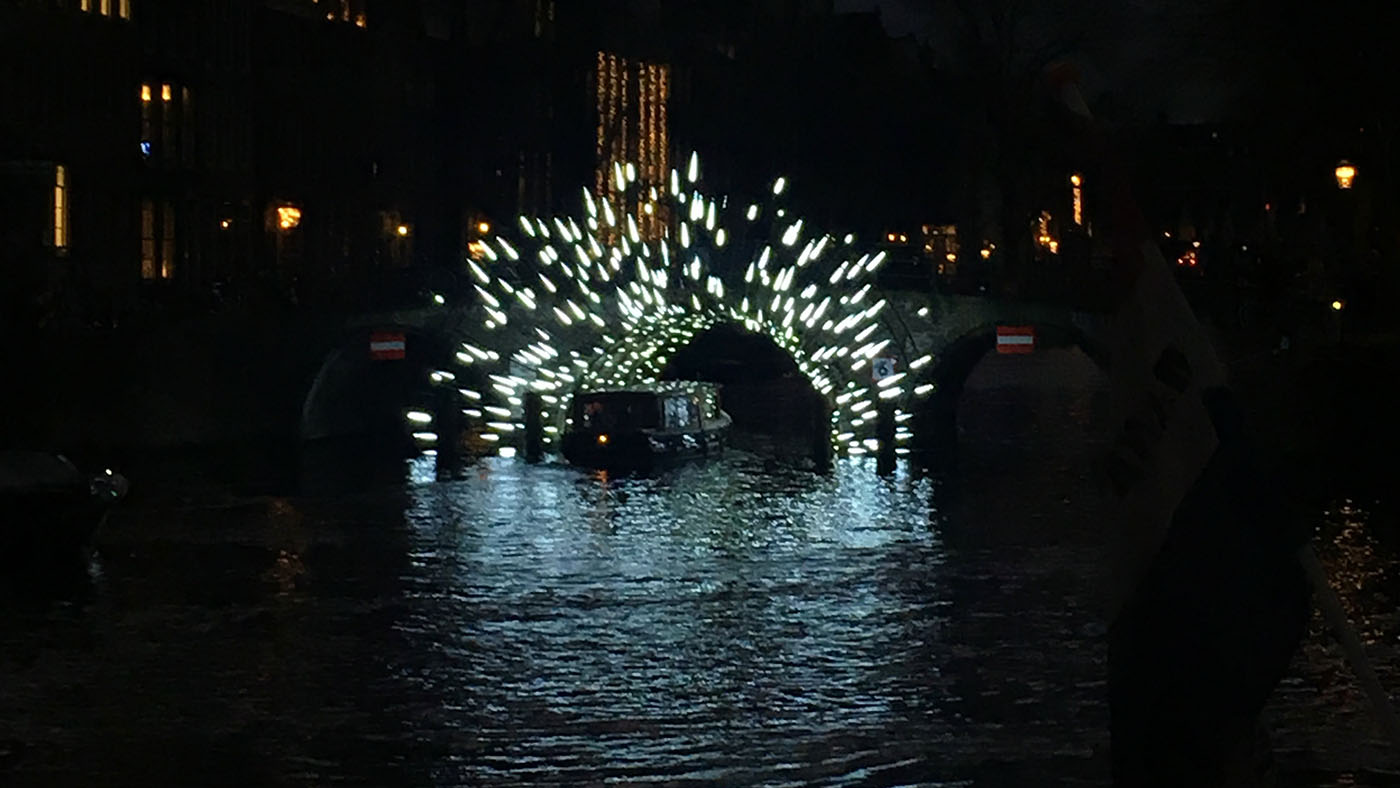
[{"x": 1212, "y": 627}]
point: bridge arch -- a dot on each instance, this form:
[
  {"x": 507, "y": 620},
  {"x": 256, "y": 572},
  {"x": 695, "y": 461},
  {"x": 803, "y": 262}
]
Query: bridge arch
[
  {"x": 356, "y": 396},
  {"x": 939, "y": 391},
  {"x": 762, "y": 388},
  {"x": 758, "y": 367}
]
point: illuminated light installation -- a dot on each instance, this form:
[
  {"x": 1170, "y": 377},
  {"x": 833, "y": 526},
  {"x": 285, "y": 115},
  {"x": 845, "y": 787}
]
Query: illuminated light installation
[
  {"x": 578, "y": 310},
  {"x": 633, "y": 126},
  {"x": 1077, "y": 183}
]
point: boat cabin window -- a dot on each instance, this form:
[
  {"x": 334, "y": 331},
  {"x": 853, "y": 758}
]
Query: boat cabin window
[
  {"x": 617, "y": 411},
  {"x": 682, "y": 413}
]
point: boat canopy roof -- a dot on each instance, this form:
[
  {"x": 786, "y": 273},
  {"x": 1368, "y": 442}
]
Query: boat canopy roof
[
  {"x": 29, "y": 470},
  {"x": 659, "y": 388}
]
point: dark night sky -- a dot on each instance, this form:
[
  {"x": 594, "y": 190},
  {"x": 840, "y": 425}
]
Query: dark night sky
[{"x": 1149, "y": 57}]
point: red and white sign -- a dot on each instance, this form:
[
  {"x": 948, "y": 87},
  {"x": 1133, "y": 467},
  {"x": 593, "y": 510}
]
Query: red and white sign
[
  {"x": 386, "y": 345},
  {"x": 1015, "y": 339}
]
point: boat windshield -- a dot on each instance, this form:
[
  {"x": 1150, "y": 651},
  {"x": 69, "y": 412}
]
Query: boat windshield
[{"x": 617, "y": 411}]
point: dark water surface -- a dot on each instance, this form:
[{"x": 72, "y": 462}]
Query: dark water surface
[{"x": 728, "y": 623}]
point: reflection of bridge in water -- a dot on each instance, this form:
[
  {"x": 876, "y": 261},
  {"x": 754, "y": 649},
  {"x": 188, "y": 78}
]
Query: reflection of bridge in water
[{"x": 562, "y": 307}]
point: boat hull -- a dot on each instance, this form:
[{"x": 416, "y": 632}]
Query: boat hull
[
  {"x": 641, "y": 449},
  {"x": 48, "y": 528}
]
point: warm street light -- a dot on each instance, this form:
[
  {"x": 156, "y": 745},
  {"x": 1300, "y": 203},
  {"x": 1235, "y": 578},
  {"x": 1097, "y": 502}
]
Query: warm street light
[
  {"x": 1337, "y": 306},
  {"x": 225, "y": 223},
  {"x": 483, "y": 228},
  {"x": 403, "y": 230},
  {"x": 1346, "y": 173},
  {"x": 288, "y": 216}
]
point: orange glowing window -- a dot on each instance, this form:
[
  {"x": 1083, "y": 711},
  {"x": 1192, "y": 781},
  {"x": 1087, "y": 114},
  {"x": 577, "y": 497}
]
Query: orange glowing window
[{"x": 60, "y": 208}]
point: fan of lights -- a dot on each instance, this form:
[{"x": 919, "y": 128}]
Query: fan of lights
[{"x": 573, "y": 307}]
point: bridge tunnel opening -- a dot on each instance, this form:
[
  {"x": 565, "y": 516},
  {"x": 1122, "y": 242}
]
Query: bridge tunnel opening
[
  {"x": 993, "y": 410},
  {"x": 774, "y": 406},
  {"x": 362, "y": 400}
]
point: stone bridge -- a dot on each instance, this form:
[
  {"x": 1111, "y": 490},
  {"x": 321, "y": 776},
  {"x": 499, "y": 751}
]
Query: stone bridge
[
  {"x": 611, "y": 298},
  {"x": 466, "y": 379}
]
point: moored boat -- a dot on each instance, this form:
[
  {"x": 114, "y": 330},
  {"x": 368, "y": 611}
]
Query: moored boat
[
  {"x": 52, "y": 509},
  {"x": 644, "y": 425}
]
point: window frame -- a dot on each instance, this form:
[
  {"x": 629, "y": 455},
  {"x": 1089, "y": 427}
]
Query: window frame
[{"x": 61, "y": 220}]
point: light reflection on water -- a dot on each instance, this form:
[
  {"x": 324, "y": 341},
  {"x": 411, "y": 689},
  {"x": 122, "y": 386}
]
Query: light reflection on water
[
  {"x": 728, "y": 623},
  {"x": 733, "y": 623},
  {"x": 1320, "y": 709}
]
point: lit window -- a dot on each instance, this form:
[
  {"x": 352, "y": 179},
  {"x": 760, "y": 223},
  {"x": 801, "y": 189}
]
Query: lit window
[
  {"x": 106, "y": 7},
  {"x": 157, "y": 251},
  {"x": 167, "y": 244},
  {"x": 124, "y": 9},
  {"x": 148, "y": 240},
  {"x": 167, "y": 124},
  {"x": 60, "y": 208},
  {"x": 87, "y": 5},
  {"x": 146, "y": 123}
]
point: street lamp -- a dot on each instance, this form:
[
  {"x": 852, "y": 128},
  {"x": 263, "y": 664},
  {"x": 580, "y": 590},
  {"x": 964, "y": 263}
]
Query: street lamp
[
  {"x": 288, "y": 217},
  {"x": 403, "y": 230},
  {"x": 1346, "y": 173},
  {"x": 483, "y": 228}
]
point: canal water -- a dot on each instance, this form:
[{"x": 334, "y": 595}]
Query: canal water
[{"x": 314, "y": 622}]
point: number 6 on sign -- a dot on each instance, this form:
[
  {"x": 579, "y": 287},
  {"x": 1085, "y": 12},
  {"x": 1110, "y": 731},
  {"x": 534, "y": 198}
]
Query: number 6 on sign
[{"x": 881, "y": 368}]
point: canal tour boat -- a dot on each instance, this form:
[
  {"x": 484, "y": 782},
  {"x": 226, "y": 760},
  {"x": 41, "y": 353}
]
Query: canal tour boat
[{"x": 645, "y": 425}]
